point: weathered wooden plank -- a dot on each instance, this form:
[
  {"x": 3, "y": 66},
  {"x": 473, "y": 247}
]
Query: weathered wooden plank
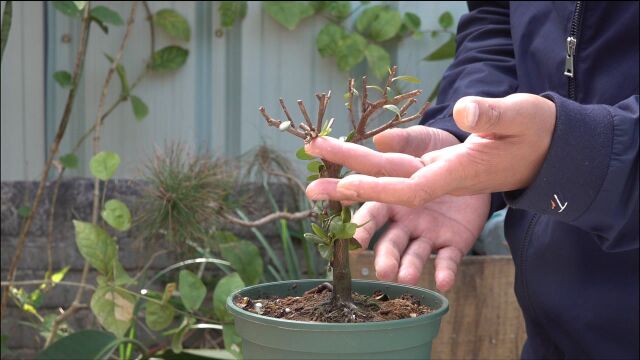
[{"x": 484, "y": 320}]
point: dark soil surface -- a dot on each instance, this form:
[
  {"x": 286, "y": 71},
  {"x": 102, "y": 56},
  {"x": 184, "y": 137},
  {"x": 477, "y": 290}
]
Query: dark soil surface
[{"x": 316, "y": 305}]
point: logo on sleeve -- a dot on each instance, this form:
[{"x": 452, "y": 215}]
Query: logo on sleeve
[{"x": 558, "y": 204}]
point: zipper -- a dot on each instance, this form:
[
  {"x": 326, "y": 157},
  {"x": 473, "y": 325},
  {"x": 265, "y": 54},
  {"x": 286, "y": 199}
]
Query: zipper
[{"x": 572, "y": 43}]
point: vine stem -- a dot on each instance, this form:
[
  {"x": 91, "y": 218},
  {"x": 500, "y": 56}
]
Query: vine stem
[
  {"x": 96, "y": 190},
  {"x": 271, "y": 217},
  {"x": 133, "y": 85},
  {"x": 55, "y": 147},
  {"x": 39, "y": 282}
]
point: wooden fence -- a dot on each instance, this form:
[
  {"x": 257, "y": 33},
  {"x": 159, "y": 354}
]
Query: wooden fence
[{"x": 484, "y": 319}]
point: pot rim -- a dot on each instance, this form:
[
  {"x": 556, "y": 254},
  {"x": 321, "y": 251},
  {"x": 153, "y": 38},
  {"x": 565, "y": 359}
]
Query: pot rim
[{"x": 372, "y": 325}]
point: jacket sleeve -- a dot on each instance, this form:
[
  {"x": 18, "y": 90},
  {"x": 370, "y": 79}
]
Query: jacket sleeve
[
  {"x": 484, "y": 65},
  {"x": 590, "y": 175}
]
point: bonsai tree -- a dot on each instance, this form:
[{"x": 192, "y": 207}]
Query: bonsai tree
[{"x": 333, "y": 231}]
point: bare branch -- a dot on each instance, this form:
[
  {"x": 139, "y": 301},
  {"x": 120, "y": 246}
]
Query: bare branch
[
  {"x": 392, "y": 124},
  {"x": 271, "y": 217},
  {"x": 276, "y": 123},
  {"x": 286, "y": 112},
  {"x": 392, "y": 74},
  {"x": 322, "y": 107},
  {"x": 303, "y": 110}
]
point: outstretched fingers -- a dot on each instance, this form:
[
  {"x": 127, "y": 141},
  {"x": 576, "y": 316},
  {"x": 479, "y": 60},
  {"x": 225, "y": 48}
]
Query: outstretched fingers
[
  {"x": 370, "y": 217},
  {"x": 413, "y": 261},
  {"x": 446, "y": 263},
  {"x": 362, "y": 159},
  {"x": 389, "y": 250}
]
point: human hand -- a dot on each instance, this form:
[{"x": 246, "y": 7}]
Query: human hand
[
  {"x": 447, "y": 226},
  {"x": 509, "y": 140}
]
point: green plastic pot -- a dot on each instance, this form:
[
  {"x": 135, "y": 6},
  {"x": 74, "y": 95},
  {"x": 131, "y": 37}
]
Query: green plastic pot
[{"x": 271, "y": 338}]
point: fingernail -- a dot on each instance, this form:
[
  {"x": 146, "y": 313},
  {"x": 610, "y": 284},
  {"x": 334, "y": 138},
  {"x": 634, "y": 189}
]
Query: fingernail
[{"x": 472, "y": 114}]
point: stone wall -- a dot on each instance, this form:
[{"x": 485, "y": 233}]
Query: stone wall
[{"x": 75, "y": 202}]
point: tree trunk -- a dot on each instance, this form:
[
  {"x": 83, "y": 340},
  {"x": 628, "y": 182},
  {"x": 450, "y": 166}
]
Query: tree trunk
[{"x": 340, "y": 261}]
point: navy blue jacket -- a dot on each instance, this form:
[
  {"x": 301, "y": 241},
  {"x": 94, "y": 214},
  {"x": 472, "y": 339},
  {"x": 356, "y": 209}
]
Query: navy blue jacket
[{"x": 577, "y": 265}]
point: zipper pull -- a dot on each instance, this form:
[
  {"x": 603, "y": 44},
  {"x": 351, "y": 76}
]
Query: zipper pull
[{"x": 571, "y": 52}]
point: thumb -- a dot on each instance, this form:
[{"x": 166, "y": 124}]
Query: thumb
[{"x": 483, "y": 115}]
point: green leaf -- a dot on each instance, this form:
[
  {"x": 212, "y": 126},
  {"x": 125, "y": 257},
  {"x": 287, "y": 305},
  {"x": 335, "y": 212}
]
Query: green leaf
[
  {"x": 140, "y": 109},
  {"x": 79, "y": 4},
  {"x": 113, "y": 308},
  {"x": 445, "y": 51},
  {"x": 106, "y": 16},
  {"x": 351, "y": 51},
  {"x": 116, "y": 213},
  {"x": 173, "y": 24},
  {"x": 379, "y": 61},
  {"x": 232, "y": 341},
  {"x": 407, "y": 78},
  {"x": 24, "y": 211},
  {"x": 176, "y": 340},
  {"x": 96, "y": 246},
  {"x": 326, "y": 251},
  {"x": 340, "y": 230},
  {"x": 169, "y": 58},
  {"x": 411, "y": 21},
  {"x": 314, "y": 166},
  {"x": 393, "y": 108},
  {"x": 122, "y": 74},
  {"x": 83, "y": 344},
  {"x": 313, "y": 177},
  {"x": 104, "y": 165},
  {"x": 354, "y": 244},
  {"x": 445, "y": 20},
  {"x": 288, "y": 13},
  {"x": 326, "y": 127},
  {"x": 315, "y": 238},
  {"x": 63, "y": 78},
  {"x": 67, "y": 8},
  {"x": 158, "y": 316},
  {"x": 224, "y": 288},
  {"x": 386, "y": 25},
  {"x": 35, "y": 298},
  {"x": 367, "y": 17},
  {"x": 377, "y": 88},
  {"x": 318, "y": 231},
  {"x": 119, "y": 275},
  {"x": 58, "y": 276},
  {"x": 328, "y": 39},
  {"x": 340, "y": 10},
  {"x": 302, "y": 155},
  {"x": 245, "y": 258},
  {"x": 231, "y": 11},
  {"x": 192, "y": 290},
  {"x": 69, "y": 161}
]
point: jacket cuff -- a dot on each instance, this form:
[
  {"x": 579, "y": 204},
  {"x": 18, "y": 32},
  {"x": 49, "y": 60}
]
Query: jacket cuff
[{"x": 576, "y": 163}]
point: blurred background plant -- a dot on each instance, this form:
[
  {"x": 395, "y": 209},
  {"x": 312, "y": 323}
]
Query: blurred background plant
[{"x": 353, "y": 32}]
